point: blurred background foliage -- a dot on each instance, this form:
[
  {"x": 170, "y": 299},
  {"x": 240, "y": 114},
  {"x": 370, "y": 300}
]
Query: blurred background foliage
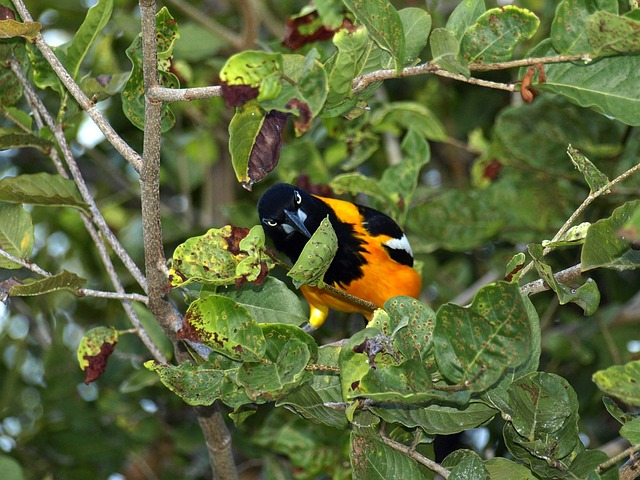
[{"x": 498, "y": 179}]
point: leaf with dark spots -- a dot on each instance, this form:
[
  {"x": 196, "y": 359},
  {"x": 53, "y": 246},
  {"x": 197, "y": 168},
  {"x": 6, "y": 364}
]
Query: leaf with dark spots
[
  {"x": 306, "y": 29},
  {"x": 236, "y": 95},
  {"x": 233, "y": 240},
  {"x": 94, "y": 350},
  {"x": 303, "y": 122},
  {"x": 265, "y": 153}
]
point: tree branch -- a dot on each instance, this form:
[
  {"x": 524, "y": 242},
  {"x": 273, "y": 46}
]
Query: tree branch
[{"x": 85, "y": 103}]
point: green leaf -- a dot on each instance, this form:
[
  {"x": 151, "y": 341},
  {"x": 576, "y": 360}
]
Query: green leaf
[
  {"x": 594, "y": 177},
  {"x": 288, "y": 352},
  {"x": 316, "y": 257},
  {"x": 13, "y": 138},
  {"x": 631, "y": 431},
  {"x": 604, "y": 247},
  {"x": 243, "y": 131},
  {"x": 569, "y": 27},
  {"x": 270, "y": 302},
  {"x": 16, "y": 234},
  {"x": 621, "y": 381},
  {"x": 133, "y": 94},
  {"x": 608, "y": 86},
  {"x": 305, "y": 91},
  {"x": 219, "y": 258},
  {"x": 10, "y": 468},
  {"x": 397, "y": 116},
  {"x": 373, "y": 460},
  {"x": 445, "y": 50},
  {"x": 503, "y": 469},
  {"x": 255, "y": 69},
  {"x": 203, "y": 384},
  {"x": 41, "y": 189},
  {"x": 224, "y": 326},
  {"x": 353, "y": 49},
  {"x": 587, "y": 296},
  {"x": 572, "y": 237},
  {"x": 464, "y": 16},
  {"x": 497, "y": 33},
  {"x": 62, "y": 281},
  {"x": 416, "y": 24},
  {"x": 465, "y": 464},
  {"x": 610, "y": 34},
  {"x": 97, "y": 18},
  {"x": 437, "y": 419},
  {"x": 383, "y": 24},
  {"x": 586, "y": 464},
  {"x": 475, "y": 345},
  {"x": 512, "y": 272},
  {"x": 356, "y": 183},
  {"x": 11, "y": 28}
]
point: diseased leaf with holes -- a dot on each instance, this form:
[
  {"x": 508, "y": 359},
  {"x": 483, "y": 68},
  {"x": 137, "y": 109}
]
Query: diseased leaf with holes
[
  {"x": 497, "y": 33},
  {"x": 305, "y": 91},
  {"x": 203, "y": 384},
  {"x": 586, "y": 296},
  {"x": 594, "y": 177},
  {"x": 224, "y": 326},
  {"x": 610, "y": 34},
  {"x": 97, "y": 18},
  {"x": 605, "y": 247},
  {"x": 465, "y": 16},
  {"x": 445, "y": 52},
  {"x": 41, "y": 189},
  {"x": 316, "y": 257},
  {"x": 383, "y": 24},
  {"x": 621, "y": 381},
  {"x": 62, "y": 281},
  {"x": 465, "y": 464},
  {"x": 569, "y": 26},
  {"x": 251, "y": 74},
  {"x": 94, "y": 350},
  {"x": 222, "y": 256},
  {"x": 475, "y": 345},
  {"x": 270, "y": 302},
  {"x": 16, "y": 234},
  {"x": 133, "y": 102},
  {"x": 288, "y": 352},
  {"x": 373, "y": 460},
  {"x": 14, "y": 138}
]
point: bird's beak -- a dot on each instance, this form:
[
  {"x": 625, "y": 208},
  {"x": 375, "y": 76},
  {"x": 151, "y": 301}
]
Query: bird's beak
[{"x": 297, "y": 219}]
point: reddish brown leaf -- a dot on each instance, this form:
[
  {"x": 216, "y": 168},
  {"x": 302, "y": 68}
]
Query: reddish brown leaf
[
  {"x": 98, "y": 363},
  {"x": 492, "y": 169},
  {"x": 6, "y": 13},
  {"x": 321, "y": 189},
  {"x": 303, "y": 122},
  {"x": 233, "y": 240},
  {"x": 266, "y": 150},
  {"x": 314, "y": 30},
  {"x": 237, "y": 95}
]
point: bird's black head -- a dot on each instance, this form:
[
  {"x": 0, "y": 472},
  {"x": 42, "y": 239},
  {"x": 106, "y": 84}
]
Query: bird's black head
[{"x": 289, "y": 217}]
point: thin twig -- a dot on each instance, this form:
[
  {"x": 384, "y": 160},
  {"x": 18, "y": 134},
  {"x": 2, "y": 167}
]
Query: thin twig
[
  {"x": 629, "y": 452},
  {"x": 411, "y": 453},
  {"x": 562, "y": 276},
  {"x": 524, "y": 62},
  {"x": 134, "y": 297},
  {"x": 163, "y": 94},
  {"x": 85, "y": 103}
]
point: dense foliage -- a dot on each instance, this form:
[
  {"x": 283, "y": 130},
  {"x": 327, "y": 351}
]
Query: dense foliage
[{"x": 503, "y": 139}]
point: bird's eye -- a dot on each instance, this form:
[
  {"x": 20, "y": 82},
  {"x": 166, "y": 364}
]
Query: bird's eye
[
  {"x": 297, "y": 197},
  {"x": 271, "y": 223}
]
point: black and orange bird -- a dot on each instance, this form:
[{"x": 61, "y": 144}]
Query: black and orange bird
[{"x": 373, "y": 262}]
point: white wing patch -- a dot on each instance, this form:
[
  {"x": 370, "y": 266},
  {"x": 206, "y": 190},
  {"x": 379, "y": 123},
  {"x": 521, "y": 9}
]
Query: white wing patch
[{"x": 400, "y": 244}]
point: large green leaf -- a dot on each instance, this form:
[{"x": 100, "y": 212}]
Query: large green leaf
[
  {"x": 569, "y": 26},
  {"x": 416, "y": 23},
  {"x": 605, "y": 245},
  {"x": 610, "y": 34},
  {"x": 497, "y": 33},
  {"x": 14, "y": 138},
  {"x": 97, "y": 18},
  {"x": 383, "y": 24},
  {"x": 41, "y": 189},
  {"x": 347, "y": 63},
  {"x": 464, "y": 16},
  {"x": 63, "y": 281},
  {"x": 316, "y": 256},
  {"x": 445, "y": 52},
  {"x": 16, "y": 234},
  {"x": 465, "y": 464},
  {"x": 475, "y": 345},
  {"x": 256, "y": 69},
  {"x": 373, "y": 460},
  {"x": 243, "y": 131}
]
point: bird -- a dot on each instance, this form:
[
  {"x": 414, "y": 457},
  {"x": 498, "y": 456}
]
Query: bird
[{"x": 373, "y": 262}]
